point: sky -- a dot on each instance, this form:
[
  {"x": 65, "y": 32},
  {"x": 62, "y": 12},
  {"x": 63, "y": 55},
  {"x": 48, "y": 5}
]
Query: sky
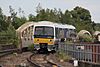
[{"x": 29, "y": 6}]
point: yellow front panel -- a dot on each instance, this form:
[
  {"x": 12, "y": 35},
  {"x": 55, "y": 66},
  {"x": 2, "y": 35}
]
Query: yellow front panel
[{"x": 43, "y": 40}]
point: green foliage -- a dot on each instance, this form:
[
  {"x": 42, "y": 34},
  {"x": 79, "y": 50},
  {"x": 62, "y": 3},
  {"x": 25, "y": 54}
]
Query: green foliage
[
  {"x": 86, "y": 38},
  {"x": 63, "y": 56},
  {"x": 97, "y": 26},
  {"x": 47, "y": 15},
  {"x": 82, "y": 19},
  {"x": 9, "y": 36},
  {"x": 31, "y": 47},
  {"x": 12, "y": 33},
  {"x": 3, "y": 24},
  {"x": 31, "y": 17},
  {"x": 16, "y": 21},
  {"x": 79, "y": 17},
  {"x": 19, "y": 22}
]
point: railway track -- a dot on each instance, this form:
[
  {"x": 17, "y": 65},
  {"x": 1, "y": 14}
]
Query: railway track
[
  {"x": 41, "y": 60},
  {"x": 7, "y": 52}
]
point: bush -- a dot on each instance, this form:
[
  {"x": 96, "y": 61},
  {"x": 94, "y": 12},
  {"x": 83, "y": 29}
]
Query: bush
[
  {"x": 63, "y": 56},
  {"x": 86, "y": 38},
  {"x": 31, "y": 47}
]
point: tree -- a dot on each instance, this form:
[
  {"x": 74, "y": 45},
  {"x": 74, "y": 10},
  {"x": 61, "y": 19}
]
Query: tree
[
  {"x": 13, "y": 15},
  {"x": 31, "y": 17},
  {"x": 82, "y": 19},
  {"x": 3, "y": 24},
  {"x": 97, "y": 26},
  {"x": 16, "y": 21}
]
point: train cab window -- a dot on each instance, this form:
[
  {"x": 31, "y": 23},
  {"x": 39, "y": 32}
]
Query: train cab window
[
  {"x": 38, "y": 31},
  {"x": 49, "y": 31},
  {"x": 44, "y": 31}
]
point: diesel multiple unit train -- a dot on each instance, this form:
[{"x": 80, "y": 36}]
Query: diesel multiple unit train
[
  {"x": 44, "y": 34},
  {"x": 47, "y": 35}
]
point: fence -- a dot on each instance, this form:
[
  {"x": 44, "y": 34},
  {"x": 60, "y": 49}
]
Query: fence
[{"x": 82, "y": 52}]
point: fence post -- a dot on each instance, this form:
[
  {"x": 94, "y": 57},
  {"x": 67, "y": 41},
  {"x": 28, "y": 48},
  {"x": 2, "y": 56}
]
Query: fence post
[{"x": 75, "y": 63}]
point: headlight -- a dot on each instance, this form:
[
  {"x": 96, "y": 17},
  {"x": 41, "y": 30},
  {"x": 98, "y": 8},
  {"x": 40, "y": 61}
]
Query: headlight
[
  {"x": 50, "y": 40},
  {"x": 37, "y": 39}
]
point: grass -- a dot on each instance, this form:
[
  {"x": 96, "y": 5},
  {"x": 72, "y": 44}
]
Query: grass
[{"x": 62, "y": 56}]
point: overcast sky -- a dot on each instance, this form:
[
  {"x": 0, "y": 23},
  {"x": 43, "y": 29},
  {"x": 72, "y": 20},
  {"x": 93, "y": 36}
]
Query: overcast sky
[{"x": 29, "y": 6}]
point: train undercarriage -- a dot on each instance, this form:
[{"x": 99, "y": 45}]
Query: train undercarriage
[{"x": 45, "y": 48}]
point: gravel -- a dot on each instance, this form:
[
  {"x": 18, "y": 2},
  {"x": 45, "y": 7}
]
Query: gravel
[
  {"x": 55, "y": 59},
  {"x": 20, "y": 60},
  {"x": 15, "y": 60}
]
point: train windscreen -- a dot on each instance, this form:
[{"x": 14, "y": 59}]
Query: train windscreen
[{"x": 44, "y": 32}]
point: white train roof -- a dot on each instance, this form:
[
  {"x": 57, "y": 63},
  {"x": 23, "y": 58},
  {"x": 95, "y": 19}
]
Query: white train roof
[
  {"x": 45, "y": 23},
  {"x": 24, "y": 26},
  {"x": 65, "y": 26},
  {"x": 59, "y": 25}
]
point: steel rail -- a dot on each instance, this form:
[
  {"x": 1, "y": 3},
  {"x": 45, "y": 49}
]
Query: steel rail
[
  {"x": 52, "y": 64},
  {"x": 7, "y": 52}
]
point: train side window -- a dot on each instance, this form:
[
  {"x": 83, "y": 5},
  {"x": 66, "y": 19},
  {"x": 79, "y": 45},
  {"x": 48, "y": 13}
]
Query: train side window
[
  {"x": 23, "y": 34},
  {"x": 71, "y": 32},
  {"x": 57, "y": 32},
  {"x": 25, "y": 38},
  {"x": 28, "y": 30},
  {"x": 66, "y": 32},
  {"x": 32, "y": 29},
  {"x": 31, "y": 38},
  {"x": 28, "y": 38},
  {"x": 61, "y": 33}
]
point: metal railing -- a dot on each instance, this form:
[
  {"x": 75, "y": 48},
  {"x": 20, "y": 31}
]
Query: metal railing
[{"x": 82, "y": 52}]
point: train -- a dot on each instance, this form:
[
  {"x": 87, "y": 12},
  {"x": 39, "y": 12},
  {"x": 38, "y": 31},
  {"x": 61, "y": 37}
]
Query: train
[{"x": 47, "y": 35}]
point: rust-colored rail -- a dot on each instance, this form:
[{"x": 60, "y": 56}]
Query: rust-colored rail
[
  {"x": 7, "y": 52},
  {"x": 43, "y": 62}
]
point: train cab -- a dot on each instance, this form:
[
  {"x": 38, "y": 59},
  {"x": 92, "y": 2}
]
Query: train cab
[{"x": 47, "y": 35}]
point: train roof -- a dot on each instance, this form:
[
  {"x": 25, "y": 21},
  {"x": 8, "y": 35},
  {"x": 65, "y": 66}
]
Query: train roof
[
  {"x": 65, "y": 26},
  {"x": 24, "y": 26},
  {"x": 59, "y": 25},
  {"x": 45, "y": 23}
]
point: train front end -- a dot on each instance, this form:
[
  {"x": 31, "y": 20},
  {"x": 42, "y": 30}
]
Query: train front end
[{"x": 44, "y": 37}]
